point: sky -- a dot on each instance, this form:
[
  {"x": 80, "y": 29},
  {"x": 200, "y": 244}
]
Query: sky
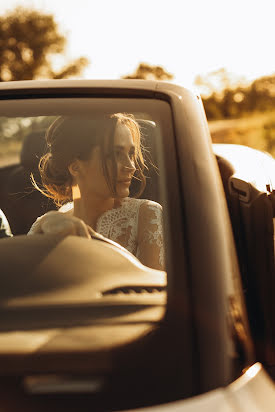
[{"x": 186, "y": 37}]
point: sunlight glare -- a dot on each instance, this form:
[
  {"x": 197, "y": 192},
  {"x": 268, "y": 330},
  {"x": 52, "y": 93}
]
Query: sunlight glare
[{"x": 253, "y": 370}]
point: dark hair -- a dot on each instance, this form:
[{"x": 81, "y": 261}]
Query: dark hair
[{"x": 74, "y": 137}]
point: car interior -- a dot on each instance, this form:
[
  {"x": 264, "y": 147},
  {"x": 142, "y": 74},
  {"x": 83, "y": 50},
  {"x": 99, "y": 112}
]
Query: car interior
[{"x": 22, "y": 203}]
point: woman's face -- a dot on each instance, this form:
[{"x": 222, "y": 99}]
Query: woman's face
[{"x": 89, "y": 176}]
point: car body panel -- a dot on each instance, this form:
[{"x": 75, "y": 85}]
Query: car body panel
[{"x": 252, "y": 392}]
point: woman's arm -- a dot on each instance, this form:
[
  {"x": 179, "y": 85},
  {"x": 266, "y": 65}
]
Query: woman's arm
[
  {"x": 56, "y": 222},
  {"x": 150, "y": 235}
]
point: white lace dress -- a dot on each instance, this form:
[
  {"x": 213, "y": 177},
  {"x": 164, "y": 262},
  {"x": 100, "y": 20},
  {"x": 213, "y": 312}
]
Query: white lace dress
[{"x": 137, "y": 226}]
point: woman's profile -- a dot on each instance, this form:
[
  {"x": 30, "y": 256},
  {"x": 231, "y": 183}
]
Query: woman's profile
[{"x": 91, "y": 162}]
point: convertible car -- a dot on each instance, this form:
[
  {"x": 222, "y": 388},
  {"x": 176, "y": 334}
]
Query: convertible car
[{"x": 86, "y": 326}]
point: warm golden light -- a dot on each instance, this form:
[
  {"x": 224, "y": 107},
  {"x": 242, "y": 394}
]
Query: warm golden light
[{"x": 253, "y": 370}]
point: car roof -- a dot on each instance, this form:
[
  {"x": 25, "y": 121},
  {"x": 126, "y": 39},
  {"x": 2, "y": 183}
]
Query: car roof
[
  {"x": 123, "y": 86},
  {"x": 152, "y": 85}
]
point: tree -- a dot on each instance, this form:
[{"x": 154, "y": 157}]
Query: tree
[
  {"x": 218, "y": 81},
  {"x": 28, "y": 42},
  {"x": 147, "y": 72}
]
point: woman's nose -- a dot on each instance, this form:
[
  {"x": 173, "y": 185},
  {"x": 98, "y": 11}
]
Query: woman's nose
[{"x": 129, "y": 165}]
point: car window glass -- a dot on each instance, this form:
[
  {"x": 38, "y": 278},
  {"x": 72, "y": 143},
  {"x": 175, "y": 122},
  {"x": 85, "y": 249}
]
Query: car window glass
[{"x": 23, "y": 143}]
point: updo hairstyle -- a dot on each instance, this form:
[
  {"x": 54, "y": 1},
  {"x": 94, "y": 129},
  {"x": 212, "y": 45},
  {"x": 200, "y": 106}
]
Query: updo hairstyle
[{"x": 74, "y": 137}]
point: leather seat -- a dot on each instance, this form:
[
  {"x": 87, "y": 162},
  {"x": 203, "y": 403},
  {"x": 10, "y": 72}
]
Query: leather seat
[
  {"x": 22, "y": 203},
  {"x": 250, "y": 199}
]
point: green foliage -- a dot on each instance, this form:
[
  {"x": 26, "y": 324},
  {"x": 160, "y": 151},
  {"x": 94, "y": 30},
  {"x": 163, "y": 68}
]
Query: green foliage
[
  {"x": 145, "y": 71},
  {"x": 241, "y": 114},
  {"x": 217, "y": 81},
  {"x": 269, "y": 136},
  {"x": 28, "y": 41},
  {"x": 256, "y": 131},
  {"x": 237, "y": 102}
]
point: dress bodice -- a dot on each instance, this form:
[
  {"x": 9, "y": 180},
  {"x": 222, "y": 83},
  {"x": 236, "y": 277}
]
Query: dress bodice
[{"x": 135, "y": 224}]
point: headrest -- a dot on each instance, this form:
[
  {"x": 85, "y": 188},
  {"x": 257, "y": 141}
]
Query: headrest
[
  {"x": 226, "y": 170},
  {"x": 34, "y": 146}
]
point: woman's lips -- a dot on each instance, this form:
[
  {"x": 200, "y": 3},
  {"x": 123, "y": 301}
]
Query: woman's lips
[{"x": 125, "y": 182}]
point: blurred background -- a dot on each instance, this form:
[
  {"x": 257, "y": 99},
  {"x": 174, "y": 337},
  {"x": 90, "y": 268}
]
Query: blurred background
[{"x": 224, "y": 50}]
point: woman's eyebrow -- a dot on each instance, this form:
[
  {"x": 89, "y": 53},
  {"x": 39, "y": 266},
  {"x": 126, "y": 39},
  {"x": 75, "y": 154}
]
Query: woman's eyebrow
[{"x": 117, "y": 146}]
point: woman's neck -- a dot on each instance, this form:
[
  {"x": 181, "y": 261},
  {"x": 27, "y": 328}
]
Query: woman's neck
[{"x": 90, "y": 209}]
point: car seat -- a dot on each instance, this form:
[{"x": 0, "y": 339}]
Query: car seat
[
  {"x": 251, "y": 203},
  {"x": 21, "y": 202}
]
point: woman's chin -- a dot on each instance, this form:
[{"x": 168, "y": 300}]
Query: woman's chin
[{"x": 123, "y": 192}]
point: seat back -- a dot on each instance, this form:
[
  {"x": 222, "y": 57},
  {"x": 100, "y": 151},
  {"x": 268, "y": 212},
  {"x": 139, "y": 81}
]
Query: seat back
[
  {"x": 251, "y": 210},
  {"x": 21, "y": 202}
]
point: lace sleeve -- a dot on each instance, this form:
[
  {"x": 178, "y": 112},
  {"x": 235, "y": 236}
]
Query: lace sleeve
[
  {"x": 150, "y": 249},
  {"x": 36, "y": 227}
]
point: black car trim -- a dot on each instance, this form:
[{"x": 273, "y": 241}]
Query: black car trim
[{"x": 56, "y": 92}]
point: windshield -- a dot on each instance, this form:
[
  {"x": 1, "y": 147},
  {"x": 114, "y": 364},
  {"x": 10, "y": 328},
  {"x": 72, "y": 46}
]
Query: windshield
[{"x": 85, "y": 126}]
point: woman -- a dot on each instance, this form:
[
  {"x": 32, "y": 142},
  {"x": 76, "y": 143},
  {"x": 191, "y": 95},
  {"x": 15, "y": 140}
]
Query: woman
[{"x": 92, "y": 162}]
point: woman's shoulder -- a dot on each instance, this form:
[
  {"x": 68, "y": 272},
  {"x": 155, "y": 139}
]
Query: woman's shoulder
[
  {"x": 142, "y": 202},
  {"x": 141, "y": 206},
  {"x": 149, "y": 220},
  {"x": 149, "y": 205},
  {"x": 149, "y": 211}
]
